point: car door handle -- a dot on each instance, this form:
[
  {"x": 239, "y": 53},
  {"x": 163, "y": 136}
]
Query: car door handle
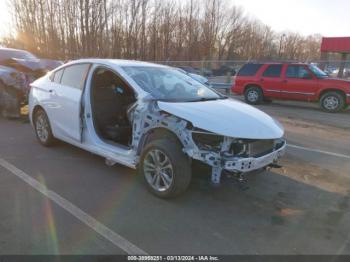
[
  {"x": 262, "y": 80},
  {"x": 284, "y": 81},
  {"x": 52, "y": 91}
]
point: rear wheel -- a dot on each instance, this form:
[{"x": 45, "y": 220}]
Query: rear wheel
[
  {"x": 165, "y": 168},
  {"x": 332, "y": 102},
  {"x": 43, "y": 129},
  {"x": 253, "y": 95}
]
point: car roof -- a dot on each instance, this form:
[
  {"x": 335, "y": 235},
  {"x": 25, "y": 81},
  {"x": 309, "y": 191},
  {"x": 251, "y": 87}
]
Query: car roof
[{"x": 115, "y": 62}]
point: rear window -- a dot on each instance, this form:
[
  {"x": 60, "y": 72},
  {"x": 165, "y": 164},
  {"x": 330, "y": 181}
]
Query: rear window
[
  {"x": 273, "y": 71},
  {"x": 249, "y": 69}
]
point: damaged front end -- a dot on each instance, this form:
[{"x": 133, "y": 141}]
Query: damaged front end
[
  {"x": 15, "y": 77},
  {"x": 236, "y": 155},
  {"x": 12, "y": 92},
  {"x": 222, "y": 153}
]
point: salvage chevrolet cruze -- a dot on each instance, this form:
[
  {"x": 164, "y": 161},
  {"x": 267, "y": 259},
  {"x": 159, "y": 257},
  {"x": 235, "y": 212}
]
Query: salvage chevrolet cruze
[{"x": 153, "y": 118}]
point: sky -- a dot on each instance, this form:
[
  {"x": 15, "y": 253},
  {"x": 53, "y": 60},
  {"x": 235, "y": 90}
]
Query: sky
[
  {"x": 5, "y": 18},
  {"x": 326, "y": 17}
]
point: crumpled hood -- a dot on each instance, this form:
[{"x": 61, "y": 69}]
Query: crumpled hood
[{"x": 227, "y": 117}]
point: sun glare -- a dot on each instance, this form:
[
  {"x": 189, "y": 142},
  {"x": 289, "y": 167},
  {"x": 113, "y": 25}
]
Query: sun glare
[{"x": 5, "y": 18}]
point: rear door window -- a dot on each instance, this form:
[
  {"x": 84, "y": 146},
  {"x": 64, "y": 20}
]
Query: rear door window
[
  {"x": 249, "y": 69},
  {"x": 273, "y": 71},
  {"x": 75, "y": 75}
]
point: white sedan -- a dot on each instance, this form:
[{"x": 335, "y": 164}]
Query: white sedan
[{"x": 153, "y": 118}]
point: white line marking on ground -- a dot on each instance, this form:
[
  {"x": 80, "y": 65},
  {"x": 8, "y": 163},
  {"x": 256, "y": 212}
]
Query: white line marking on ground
[
  {"x": 319, "y": 151},
  {"x": 104, "y": 231}
]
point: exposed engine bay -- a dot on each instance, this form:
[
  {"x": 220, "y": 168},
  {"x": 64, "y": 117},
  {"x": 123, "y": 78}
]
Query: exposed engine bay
[{"x": 221, "y": 153}]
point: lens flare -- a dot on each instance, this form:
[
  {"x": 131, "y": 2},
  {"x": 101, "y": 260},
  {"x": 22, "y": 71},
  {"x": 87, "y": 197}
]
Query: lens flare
[{"x": 50, "y": 224}]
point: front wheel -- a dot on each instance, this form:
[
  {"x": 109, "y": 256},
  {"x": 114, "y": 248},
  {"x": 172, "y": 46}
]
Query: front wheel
[
  {"x": 332, "y": 102},
  {"x": 165, "y": 168},
  {"x": 43, "y": 129},
  {"x": 253, "y": 95}
]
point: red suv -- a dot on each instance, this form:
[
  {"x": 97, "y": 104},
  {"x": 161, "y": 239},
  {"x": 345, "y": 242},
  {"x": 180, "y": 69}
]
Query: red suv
[{"x": 260, "y": 82}]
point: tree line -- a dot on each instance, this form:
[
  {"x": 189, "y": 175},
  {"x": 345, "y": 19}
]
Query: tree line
[{"x": 152, "y": 30}]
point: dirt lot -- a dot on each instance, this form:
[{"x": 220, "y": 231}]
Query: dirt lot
[{"x": 303, "y": 208}]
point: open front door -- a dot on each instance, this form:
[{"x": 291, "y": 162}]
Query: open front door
[{"x": 68, "y": 97}]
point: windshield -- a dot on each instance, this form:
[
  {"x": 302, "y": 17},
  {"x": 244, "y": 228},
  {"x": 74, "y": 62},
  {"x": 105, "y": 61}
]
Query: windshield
[
  {"x": 318, "y": 72},
  {"x": 170, "y": 84}
]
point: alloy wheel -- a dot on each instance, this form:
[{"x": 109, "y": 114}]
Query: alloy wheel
[
  {"x": 158, "y": 170},
  {"x": 253, "y": 96},
  {"x": 331, "y": 102},
  {"x": 42, "y": 128}
]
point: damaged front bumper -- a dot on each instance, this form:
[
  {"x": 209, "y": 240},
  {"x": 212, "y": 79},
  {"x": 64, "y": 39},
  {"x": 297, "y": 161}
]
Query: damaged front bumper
[
  {"x": 244, "y": 165},
  {"x": 238, "y": 164}
]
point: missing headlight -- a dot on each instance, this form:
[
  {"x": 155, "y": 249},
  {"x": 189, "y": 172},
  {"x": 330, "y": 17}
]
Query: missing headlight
[
  {"x": 207, "y": 141},
  {"x": 262, "y": 147},
  {"x": 239, "y": 148}
]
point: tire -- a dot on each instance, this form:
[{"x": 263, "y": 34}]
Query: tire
[
  {"x": 43, "y": 129},
  {"x": 332, "y": 102},
  {"x": 176, "y": 175},
  {"x": 253, "y": 95}
]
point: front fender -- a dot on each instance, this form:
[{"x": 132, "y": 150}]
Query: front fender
[
  {"x": 157, "y": 132},
  {"x": 322, "y": 91}
]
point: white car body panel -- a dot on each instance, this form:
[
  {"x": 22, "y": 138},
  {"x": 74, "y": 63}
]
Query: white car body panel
[
  {"x": 65, "y": 109},
  {"x": 228, "y": 118}
]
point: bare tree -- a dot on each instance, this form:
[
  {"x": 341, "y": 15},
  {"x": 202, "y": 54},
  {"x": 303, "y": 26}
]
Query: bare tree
[{"x": 149, "y": 30}]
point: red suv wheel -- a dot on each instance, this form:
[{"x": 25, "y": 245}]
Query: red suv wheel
[{"x": 253, "y": 95}]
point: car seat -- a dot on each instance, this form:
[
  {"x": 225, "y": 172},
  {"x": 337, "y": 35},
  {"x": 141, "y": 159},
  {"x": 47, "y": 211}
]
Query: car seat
[{"x": 109, "y": 109}]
